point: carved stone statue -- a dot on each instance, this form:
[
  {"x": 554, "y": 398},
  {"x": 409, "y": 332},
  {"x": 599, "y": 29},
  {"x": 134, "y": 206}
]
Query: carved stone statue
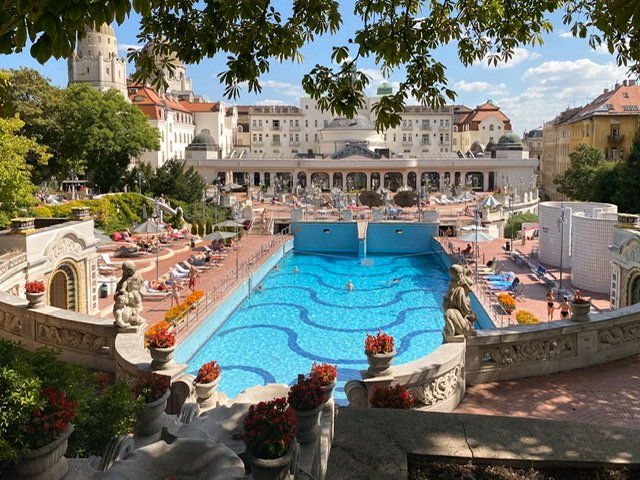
[
  {"x": 127, "y": 299},
  {"x": 458, "y": 315}
]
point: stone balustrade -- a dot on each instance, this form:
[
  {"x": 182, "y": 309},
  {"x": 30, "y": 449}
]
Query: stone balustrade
[
  {"x": 523, "y": 351},
  {"x": 81, "y": 339}
]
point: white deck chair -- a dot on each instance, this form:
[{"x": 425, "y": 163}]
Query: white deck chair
[{"x": 147, "y": 292}]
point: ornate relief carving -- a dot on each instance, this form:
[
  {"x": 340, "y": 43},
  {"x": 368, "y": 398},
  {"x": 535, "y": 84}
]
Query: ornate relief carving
[
  {"x": 631, "y": 252},
  {"x": 63, "y": 247},
  {"x": 513, "y": 353},
  {"x": 11, "y": 263},
  {"x": 10, "y": 322},
  {"x": 439, "y": 388},
  {"x": 74, "y": 339},
  {"x": 620, "y": 334}
]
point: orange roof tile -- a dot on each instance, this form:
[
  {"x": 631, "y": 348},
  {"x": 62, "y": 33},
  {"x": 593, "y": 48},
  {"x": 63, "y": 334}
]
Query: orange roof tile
[{"x": 201, "y": 106}]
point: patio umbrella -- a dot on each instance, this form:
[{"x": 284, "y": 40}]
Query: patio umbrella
[
  {"x": 219, "y": 235},
  {"x": 231, "y": 186},
  {"x": 476, "y": 237},
  {"x": 229, "y": 223},
  {"x": 490, "y": 202},
  {"x": 473, "y": 228},
  {"x": 148, "y": 227}
]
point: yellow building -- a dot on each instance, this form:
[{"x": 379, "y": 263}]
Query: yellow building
[{"x": 608, "y": 123}]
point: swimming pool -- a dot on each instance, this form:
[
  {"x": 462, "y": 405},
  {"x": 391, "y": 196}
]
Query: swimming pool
[{"x": 309, "y": 316}]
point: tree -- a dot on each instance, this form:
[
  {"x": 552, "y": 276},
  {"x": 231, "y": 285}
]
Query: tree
[
  {"x": 39, "y": 105},
  {"x": 398, "y": 34},
  {"x": 627, "y": 179},
  {"x": 370, "y": 198},
  {"x": 406, "y": 198},
  {"x": 514, "y": 224},
  {"x": 584, "y": 179},
  {"x": 173, "y": 180},
  {"x": 16, "y": 189},
  {"x": 102, "y": 133}
]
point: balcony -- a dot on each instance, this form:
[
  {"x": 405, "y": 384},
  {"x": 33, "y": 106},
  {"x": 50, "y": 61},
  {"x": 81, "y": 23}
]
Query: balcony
[
  {"x": 294, "y": 143},
  {"x": 407, "y": 127},
  {"x": 425, "y": 127},
  {"x": 615, "y": 139},
  {"x": 257, "y": 143},
  {"x": 256, "y": 127},
  {"x": 444, "y": 128},
  {"x": 275, "y": 128},
  {"x": 407, "y": 142},
  {"x": 275, "y": 143}
]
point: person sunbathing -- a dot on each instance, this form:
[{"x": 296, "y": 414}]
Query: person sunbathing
[{"x": 467, "y": 251}]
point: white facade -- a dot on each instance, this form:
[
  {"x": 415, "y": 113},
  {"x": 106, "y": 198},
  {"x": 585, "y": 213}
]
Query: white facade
[
  {"x": 96, "y": 61},
  {"x": 278, "y": 130}
]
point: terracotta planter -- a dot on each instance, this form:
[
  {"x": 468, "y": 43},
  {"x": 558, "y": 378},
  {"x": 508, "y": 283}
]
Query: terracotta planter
[
  {"x": 580, "y": 311},
  {"x": 151, "y": 418},
  {"x": 48, "y": 462},
  {"x": 162, "y": 358},
  {"x": 36, "y": 300},
  {"x": 379, "y": 363},
  {"x": 308, "y": 424},
  {"x": 206, "y": 392},
  {"x": 271, "y": 468}
]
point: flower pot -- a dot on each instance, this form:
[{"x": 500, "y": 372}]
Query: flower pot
[
  {"x": 48, "y": 462},
  {"x": 162, "y": 358},
  {"x": 151, "y": 417},
  {"x": 379, "y": 363},
  {"x": 308, "y": 424},
  {"x": 205, "y": 392},
  {"x": 580, "y": 311},
  {"x": 327, "y": 395},
  {"x": 36, "y": 300},
  {"x": 271, "y": 468}
]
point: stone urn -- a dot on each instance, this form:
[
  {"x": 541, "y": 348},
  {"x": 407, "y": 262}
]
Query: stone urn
[
  {"x": 151, "y": 417},
  {"x": 379, "y": 363},
  {"x": 271, "y": 468},
  {"x": 580, "y": 311},
  {"x": 308, "y": 424},
  {"x": 206, "y": 392},
  {"x": 162, "y": 358},
  {"x": 327, "y": 395},
  {"x": 47, "y": 462},
  {"x": 36, "y": 300}
]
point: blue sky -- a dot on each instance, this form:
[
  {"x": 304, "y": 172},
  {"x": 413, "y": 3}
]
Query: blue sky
[{"x": 536, "y": 85}]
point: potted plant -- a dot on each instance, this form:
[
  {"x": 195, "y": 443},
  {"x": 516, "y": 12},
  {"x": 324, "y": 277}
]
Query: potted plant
[
  {"x": 306, "y": 398},
  {"x": 206, "y": 381},
  {"x": 269, "y": 433},
  {"x": 34, "y": 291},
  {"x": 391, "y": 396},
  {"x": 524, "y": 317},
  {"x": 160, "y": 339},
  {"x": 152, "y": 390},
  {"x": 380, "y": 350},
  {"x": 326, "y": 375},
  {"x": 38, "y": 436},
  {"x": 507, "y": 302},
  {"x": 580, "y": 307}
]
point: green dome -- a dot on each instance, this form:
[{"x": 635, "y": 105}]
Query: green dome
[
  {"x": 509, "y": 138},
  {"x": 493, "y": 102},
  {"x": 384, "y": 89}
]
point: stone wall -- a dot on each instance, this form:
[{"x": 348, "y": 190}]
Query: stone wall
[
  {"x": 524, "y": 351},
  {"x": 81, "y": 339}
]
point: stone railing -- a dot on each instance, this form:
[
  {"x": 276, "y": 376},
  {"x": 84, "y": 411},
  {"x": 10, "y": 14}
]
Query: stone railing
[
  {"x": 436, "y": 381},
  {"x": 9, "y": 262},
  {"x": 81, "y": 339},
  {"x": 523, "y": 351}
]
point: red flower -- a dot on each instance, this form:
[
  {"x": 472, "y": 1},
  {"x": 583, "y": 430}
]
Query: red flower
[
  {"x": 161, "y": 335},
  {"x": 392, "y": 396},
  {"x": 306, "y": 394},
  {"x": 379, "y": 343},
  {"x": 36, "y": 286},
  {"x": 48, "y": 422},
  {"x": 269, "y": 428},
  {"x": 208, "y": 372},
  {"x": 323, "y": 373},
  {"x": 151, "y": 386}
]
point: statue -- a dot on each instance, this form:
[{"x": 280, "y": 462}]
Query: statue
[
  {"x": 128, "y": 301},
  {"x": 458, "y": 315}
]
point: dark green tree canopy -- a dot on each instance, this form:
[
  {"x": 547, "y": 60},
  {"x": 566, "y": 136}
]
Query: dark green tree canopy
[
  {"x": 588, "y": 176},
  {"x": 395, "y": 33}
]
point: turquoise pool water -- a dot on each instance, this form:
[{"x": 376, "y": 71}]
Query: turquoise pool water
[{"x": 309, "y": 316}]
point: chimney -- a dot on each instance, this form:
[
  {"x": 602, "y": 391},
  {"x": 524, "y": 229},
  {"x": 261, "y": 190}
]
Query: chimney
[
  {"x": 632, "y": 83},
  {"x": 606, "y": 90},
  {"x": 624, "y": 83}
]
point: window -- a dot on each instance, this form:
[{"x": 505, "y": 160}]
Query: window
[
  {"x": 491, "y": 128},
  {"x": 306, "y": 137},
  {"x": 326, "y": 122},
  {"x": 306, "y": 123},
  {"x": 425, "y": 139},
  {"x": 315, "y": 123}
]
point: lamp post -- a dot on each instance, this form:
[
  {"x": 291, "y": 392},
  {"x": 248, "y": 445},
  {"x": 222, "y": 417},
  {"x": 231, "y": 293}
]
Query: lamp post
[
  {"x": 511, "y": 198},
  {"x": 237, "y": 252},
  {"x": 476, "y": 245},
  {"x": 156, "y": 217},
  {"x": 561, "y": 221}
]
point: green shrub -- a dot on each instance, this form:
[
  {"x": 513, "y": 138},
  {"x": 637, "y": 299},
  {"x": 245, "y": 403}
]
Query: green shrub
[
  {"x": 104, "y": 409},
  {"x": 194, "y": 229},
  {"x": 201, "y": 229}
]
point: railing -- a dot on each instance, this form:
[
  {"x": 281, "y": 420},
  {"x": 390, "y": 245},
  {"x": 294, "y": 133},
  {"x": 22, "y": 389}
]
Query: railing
[{"x": 228, "y": 283}]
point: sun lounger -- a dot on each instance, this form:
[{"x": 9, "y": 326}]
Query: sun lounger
[
  {"x": 505, "y": 286},
  {"x": 150, "y": 293}
]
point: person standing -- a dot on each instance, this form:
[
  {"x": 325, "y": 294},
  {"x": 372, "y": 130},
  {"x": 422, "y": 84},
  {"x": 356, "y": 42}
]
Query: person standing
[
  {"x": 550, "y": 305},
  {"x": 175, "y": 293},
  {"x": 193, "y": 275}
]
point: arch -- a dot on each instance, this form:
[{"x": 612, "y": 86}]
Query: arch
[
  {"x": 63, "y": 288},
  {"x": 356, "y": 181},
  {"x": 412, "y": 180},
  {"x": 375, "y": 180},
  {"x": 302, "y": 179},
  {"x": 431, "y": 180},
  {"x": 392, "y": 180},
  {"x": 321, "y": 180},
  {"x": 633, "y": 296},
  {"x": 475, "y": 180},
  {"x": 337, "y": 180}
]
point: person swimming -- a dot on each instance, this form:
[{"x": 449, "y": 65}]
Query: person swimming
[
  {"x": 349, "y": 285},
  {"x": 395, "y": 280},
  {"x": 260, "y": 288},
  {"x": 296, "y": 269}
]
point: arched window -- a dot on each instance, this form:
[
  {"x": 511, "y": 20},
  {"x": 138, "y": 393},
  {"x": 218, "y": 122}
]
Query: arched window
[{"x": 63, "y": 288}]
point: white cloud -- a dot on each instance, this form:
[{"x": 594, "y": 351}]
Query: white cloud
[
  {"x": 374, "y": 75},
  {"x": 270, "y": 101},
  {"x": 555, "y": 86},
  {"x": 565, "y": 35},
  {"x": 124, "y": 47},
  {"x": 519, "y": 55},
  {"x": 484, "y": 87},
  {"x": 284, "y": 88},
  {"x": 602, "y": 49}
]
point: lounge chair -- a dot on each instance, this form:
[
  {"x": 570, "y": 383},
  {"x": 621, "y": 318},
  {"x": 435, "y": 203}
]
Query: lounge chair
[
  {"x": 178, "y": 272},
  {"x": 150, "y": 293},
  {"x": 505, "y": 277},
  {"x": 505, "y": 286}
]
